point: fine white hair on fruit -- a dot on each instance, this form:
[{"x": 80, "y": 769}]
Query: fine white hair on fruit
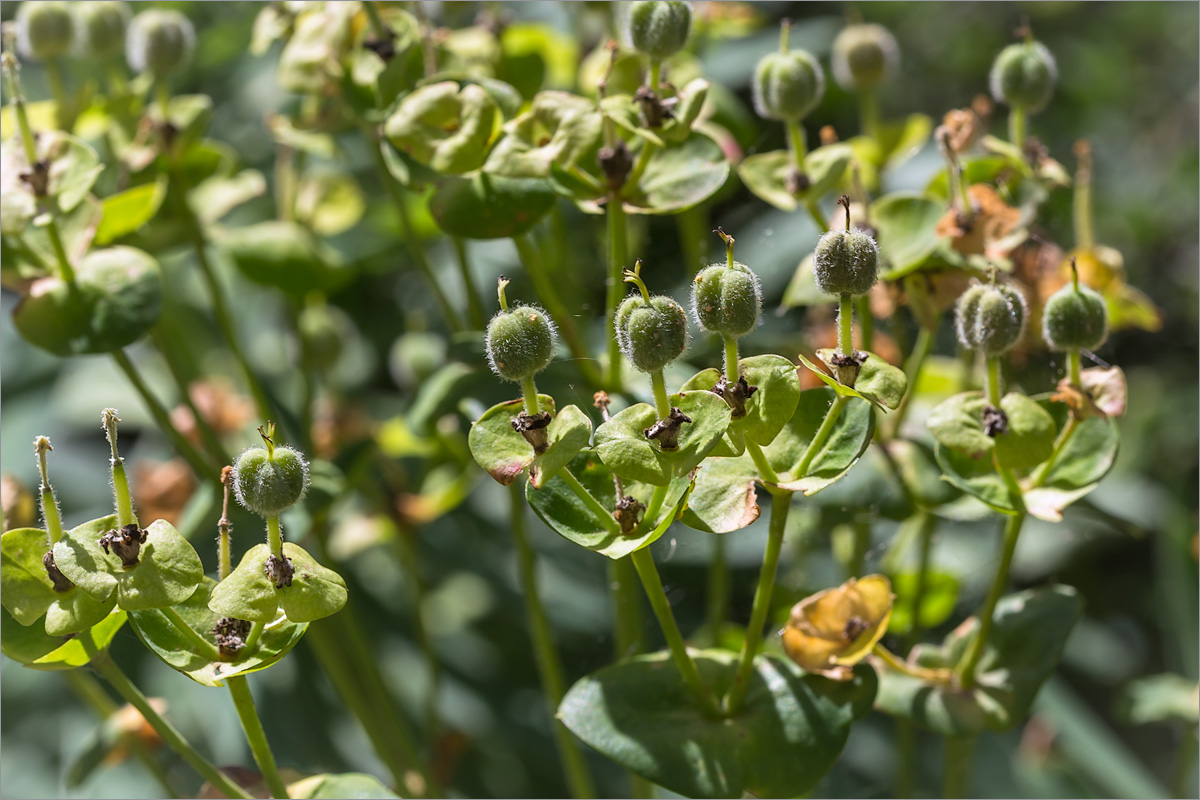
[{"x": 158, "y": 40}]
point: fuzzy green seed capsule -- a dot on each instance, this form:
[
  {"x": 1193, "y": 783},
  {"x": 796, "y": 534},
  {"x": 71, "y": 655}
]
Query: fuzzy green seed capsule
[
  {"x": 727, "y": 299},
  {"x": 520, "y": 342},
  {"x": 1023, "y": 76},
  {"x": 656, "y": 28},
  {"x": 1075, "y": 318},
  {"x": 846, "y": 262},
  {"x": 269, "y": 481},
  {"x": 159, "y": 42},
  {"x": 651, "y": 334},
  {"x": 787, "y": 85},
  {"x": 990, "y": 318},
  {"x": 44, "y": 29},
  {"x": 864, "y": 56},
  {"x": 101, "y": 26}
]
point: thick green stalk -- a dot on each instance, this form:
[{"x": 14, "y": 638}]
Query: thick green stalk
[
  {"x": 243, "y": 701},
  {"x": 199, "y": 643},
  {"x": 546, "y": 290},
  {"x": 868, "y": 112},
  {"x": 1016, "y": 127},
  {"x": 256, "y": 632},
  {"x": 652, "y": 583},
  {"x": 627, "y": 608},
  {"x": 993, "y": 381},
  {"x": 956, "y": 767},
  {"x": 549, "y": 664},
  {"x": 821, "y": 436},
  {"x": 797, "y": 145},
  {"x": 58, "y": 90},
  {"x": 618, "y": 238},
  {"x": 846, "y": 325},
  {"x": 912, "y": 370},
  {"x": 475, "y": 310},
  {"x": 718, "y": 589},
  {"x": 602, "y": 514},
  {"x": 780, "y": 504},
  {"x": 765, "y": 470},
  {"x": 1074, "y": 367},
  {"x": 65, "y": 270},
  {"x": 275, "y": 536},
  {"x": 17, "y": 101},
  {"x": 662, "y": 403},
  {"x": 199, "y": 464},
  {"x": 108, "y": 669},
  {"x": 818, "y": 217},
  {"x": 966, "y": 668},
  {"x": 49, "y": 504},
  {"x": 655, "y": 505},
  {"x": 530, "y": 395},
  {"x": 731, "y": 359}
]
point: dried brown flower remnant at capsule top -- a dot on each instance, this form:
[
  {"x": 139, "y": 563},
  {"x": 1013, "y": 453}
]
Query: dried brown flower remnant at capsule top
[
  {"x": 125, "y": 543},
  {"x": 831, "y": 631},
  {"x": 666, "y": 431},
  {"x": 279, "y": 570}
]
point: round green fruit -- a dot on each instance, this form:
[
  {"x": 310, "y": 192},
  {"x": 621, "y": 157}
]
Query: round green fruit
[
  {"x": 44, "y": 29},
  {"x": 990, "y": 319},
  {"x": 657, "y": 28},
  {"x": 159, "y": 42},
  {"x": 846, "y": 262},
  {"x": 269, "y": 481},
  {"x": 651, "y": 333},
  {"x": 788, "y": 85},
  {"x": 101, "y": 27},
  {"x": 727, "y": 299},
  {"x": 1023, "y": 76},
  {"x": 864, "y": 56},
  {"x": 520, "y": 342},
  {"x": 1075, "y": 318}
]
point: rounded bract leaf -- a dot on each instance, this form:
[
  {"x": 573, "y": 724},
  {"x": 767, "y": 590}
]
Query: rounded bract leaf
[
  {"x": 773, "y": 177},
  {"x": 567, "y": 515},
  {"x": 559, "y": 128},
  {"x": 29, "y": 594},
  {"x": 176, "y": 650},
  {"x": 792, "y": 728},
  {"x": 487, "y": 206},
  {"x": 724, "y": 498},
  {"x": 1084, "y": 460},
  {"x": 679, "y": 177},
  {"x": 316, "y": 592},
  {"x": 329, "y": 786},
  {"x": 878, "y": 381},
  {"x": 34, "y": 648},
  {"x": 116, "y": 297},
  {"x": 247, "y": 593},
  {"x": 1028, "y": 440},
  {"x": 444, "y": 126},
  {"x": 770, "y": 407},
  {"x": 846, "y": 442},
  {"x": 907, "y": 231},
  {"x": 623, "y": 447},
  {"x": 282, "y": 255},
  {"x": 504, "y": 453},
  {"x": 1029, "y": 632}
]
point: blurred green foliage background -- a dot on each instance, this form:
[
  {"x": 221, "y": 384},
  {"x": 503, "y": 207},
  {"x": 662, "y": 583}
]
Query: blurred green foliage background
[{"x": 1128, "y": 84}]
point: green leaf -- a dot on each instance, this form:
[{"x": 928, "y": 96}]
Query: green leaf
[
  {"x": 171, "y": 646},
  {"x": 35, "y": 649},
  {"x": 768, "y": 175},
  {"x": 878, "y": 381},
  {"x": 75, "y": 610},
  {"x": 679, "y": 177},
  {"x": 977, "y": 477},
  {"x": 505, "y": 454},
  {"x": 724, "y": 498},
  {"x": 247, "y": 593},
  {"x": 938, "y": 598},
  {"x": 330, "y": 786},
  {"x": 283, "y": 255},
  {"x": 1160, "y": 698},
  {"x": 559, "y": 128},
  {"x": 117, "y": 296},
  {"x": 444, "y": 126},
  {"x": 487, "y": 206},
  {"x": 957, "y": 423},
  {"x": 1028, "y": 634},
  {"x": 329, "y": 202},
  {"x": 1085, "y": 458},
  {"x": 906, "y": 223},
  {"x": 640, "y": 714},
  {"x": 623, "y": 447},
  {"x": 567, "y": 515},
  {"x": 216, "y": 196},
  {"x": 28, "y": 591},
  {"x": 76, "y": 229},
  {"x": 167, "y": 573},
  {"x": 769, "y": 408},
  {"x": 846, "y": 442},
  {"x": 316, "y": 591},
  {"x": 74, "y": 168},
  {"x": 898, "y": 141},
  {"x": 127, "y": 211},
  {"x": 976, "y": 169},
  {"x": 920, "y": 473},
  {"x": 802, "y": 289}
]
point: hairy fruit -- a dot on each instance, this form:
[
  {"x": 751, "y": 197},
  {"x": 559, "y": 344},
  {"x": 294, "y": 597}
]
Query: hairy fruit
[
  {"x": 1075, "y": 318},
  {"x": 846, "y": 262},
  {"x": 652, "y": 333},
  {"x": 1023, "y": 76},
  {"x": 990, "y": 319},
  {"x": 864, "y": 56},
  {"x": 520, "y": 342},
  {"x": 787, "y": 86},
  {"x": 268, "y": 480},
  {"x": 727, "y": 299}
]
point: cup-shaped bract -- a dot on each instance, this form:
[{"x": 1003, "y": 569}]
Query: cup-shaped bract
[
  {"x": 787, "y": 86},
  {"x": 444, "y": 126},
  {"x": 727, "y": 299},
  {"x": 846, "y": 262},
  {"x": 1023, "y": 76},
  {"x": 1075, "y": 318},
  {"x": 652, "y": 333},
  {"x": 159, "y": 42},
  {"x": 520, "y": 342},
  {"x": 990, "y": 319},
  {"x": 864, "y": 56}
]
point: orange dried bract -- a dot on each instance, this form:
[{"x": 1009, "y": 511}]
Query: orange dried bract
[{"x": 831, "y": 631}]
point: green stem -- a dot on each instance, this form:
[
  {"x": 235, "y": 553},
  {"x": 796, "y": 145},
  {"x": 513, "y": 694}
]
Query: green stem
[
  {"x": 644, "y": 155},
  {"x": 797, "y": 145},
  {"x": 65, "y": 270},
  {"x": 655, "y": 505},
  {"x": 1074, "y": 367},
  {"x": 50, "y": 513},
  {"x": 846, "y": 325},
  {"x": 549, "y": 664},
  {"x": 59, "y": 91},
  {"x": 1016, "y": 127},
  {"x": 868, "y": 112},
  {"x": 718, "y": 590},
  {"x": 652, "y": 583},
  {"x": 1085, "y": 236},
  {"x": 765, "y": 470},
  {"x": 89, "y": 690},
  {"x": 966, "y": 668},
  {"x": 821, "y": 436},
  {"x": 662, "y": 403},
  {"x": 199, "y": 464},
  {"x": 18, "y": 104},
  {"x": 199, "y": 644},
  {"x": 993, "y": 381},
  {"x": 256, "y": 632},
  {"x": 275, "y": 536},
  {"x": 1064, "y": 436},
  {"x": 866, "y": 321},
  {"x": 602, "y": 514},
  {"x": 732, "y": 373},
  {"x": 1184, "y": 757},
  {"x": 475, "y": 310},
  {"x": 546, "y": 290},
  {"x": 108, "y": 669},
  {"x": 529, "y": 392},
  {"x": 124, "y": 501},
  {"x": 629, "y": 638},
  {"x": 170, "y": 355},
  {"x": 956, "y": 767},
  {"x": 377, "y": 25},
  {"x": 655, "y": 73},
  {"x": 818, "y": 217},
  {"x": 243, "y": 701},
  {"x": 618, "y": 237},
  {"x": 415, "y": 249},
  {"x": 780, "y": 504},
  {"x": 937, "y": 676},
  {"x": 927, "y": 523},
  {"x": 912, "y": 370}
]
